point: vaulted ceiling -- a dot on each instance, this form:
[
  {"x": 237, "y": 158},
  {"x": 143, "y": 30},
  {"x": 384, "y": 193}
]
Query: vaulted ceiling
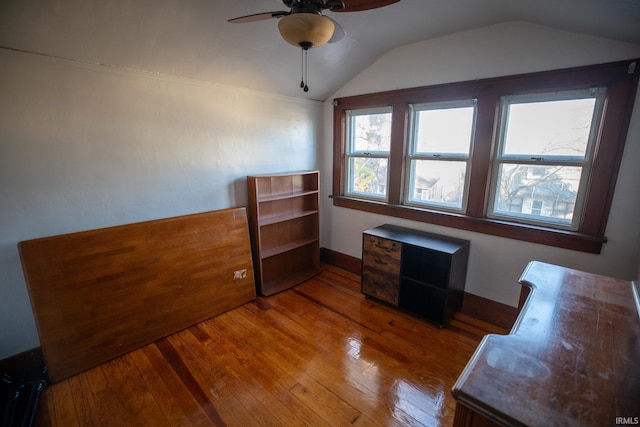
[{"x": 192, "y": 38}]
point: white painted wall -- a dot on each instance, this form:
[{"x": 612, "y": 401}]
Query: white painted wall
[
  {"x": 495, "y": 263},
  {"x": 85, "y": 147}
]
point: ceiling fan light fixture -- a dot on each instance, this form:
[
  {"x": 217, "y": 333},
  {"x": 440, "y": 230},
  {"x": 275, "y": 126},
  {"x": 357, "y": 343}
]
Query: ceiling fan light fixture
[{"x": 306, "y": 29}]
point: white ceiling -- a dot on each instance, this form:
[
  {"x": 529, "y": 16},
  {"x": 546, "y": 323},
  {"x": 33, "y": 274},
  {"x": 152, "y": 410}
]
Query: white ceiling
[{"x": 192, "y": 38}]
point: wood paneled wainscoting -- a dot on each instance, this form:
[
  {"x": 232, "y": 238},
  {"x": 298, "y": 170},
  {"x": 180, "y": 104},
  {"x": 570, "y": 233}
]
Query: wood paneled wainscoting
[{"x": 317, "y": 354}]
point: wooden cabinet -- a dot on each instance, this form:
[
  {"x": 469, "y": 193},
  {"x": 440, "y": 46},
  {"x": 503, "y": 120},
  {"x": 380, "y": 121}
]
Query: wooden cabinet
[
  {"x": 284, "y": 223},
  {"x": 419, "y": 272}
]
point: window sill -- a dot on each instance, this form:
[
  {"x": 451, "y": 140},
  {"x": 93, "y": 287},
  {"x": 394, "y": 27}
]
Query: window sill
[{"x": 528, "y": 233}]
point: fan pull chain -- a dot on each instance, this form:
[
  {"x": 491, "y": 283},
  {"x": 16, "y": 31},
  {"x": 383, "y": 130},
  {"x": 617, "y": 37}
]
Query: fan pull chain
[{"x": 303, "y": 70}]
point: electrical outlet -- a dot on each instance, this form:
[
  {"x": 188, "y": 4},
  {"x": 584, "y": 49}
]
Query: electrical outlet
[{"x": 240, "y": 274}]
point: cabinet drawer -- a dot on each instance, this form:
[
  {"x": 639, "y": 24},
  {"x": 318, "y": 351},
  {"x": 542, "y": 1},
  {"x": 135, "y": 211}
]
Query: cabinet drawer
[
  {"x": 382, "y": 246},
  {"x": 381, "y": 285},
  {"x": 381, "y": 254}
]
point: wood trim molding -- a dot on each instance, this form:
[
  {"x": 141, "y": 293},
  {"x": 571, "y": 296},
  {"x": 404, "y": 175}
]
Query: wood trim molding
[
  {"x": 488, "y": 310},
  {"x": 344, "y": 261},
  {"x": 481, "y": 308}
]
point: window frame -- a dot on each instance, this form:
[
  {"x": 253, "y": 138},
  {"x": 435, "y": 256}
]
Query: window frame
[
  {"x": 351, "y": 153},
  {"x": 620, "y": 79},
  {"x": 413, "y": 155},
  {"x": 584, "y": 162}
]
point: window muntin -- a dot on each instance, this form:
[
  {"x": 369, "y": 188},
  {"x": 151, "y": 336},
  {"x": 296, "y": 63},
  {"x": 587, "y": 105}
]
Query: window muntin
[
  {"x": 368, "y": 149},
  {"x": 438, "y": 156},
  {"x": 543, "y": 156}
]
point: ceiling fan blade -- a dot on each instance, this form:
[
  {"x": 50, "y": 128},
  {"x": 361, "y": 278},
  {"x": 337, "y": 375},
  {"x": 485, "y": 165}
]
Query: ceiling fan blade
[
  {"x": 258, "y": 17},
  {"x": 338, "y": 32},
  {"x": 360, "y": 5}
]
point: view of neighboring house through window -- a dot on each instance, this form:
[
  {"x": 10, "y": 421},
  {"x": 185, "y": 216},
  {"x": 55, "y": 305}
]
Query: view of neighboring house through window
[
  {"x": 544, "y": 153},
  {"x": 438, "y": 158},
  {"x": 368, "y": 152}
]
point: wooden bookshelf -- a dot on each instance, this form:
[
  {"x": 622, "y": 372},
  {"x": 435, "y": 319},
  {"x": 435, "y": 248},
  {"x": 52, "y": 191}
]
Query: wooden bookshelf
[{"x": 284, "y": 224}]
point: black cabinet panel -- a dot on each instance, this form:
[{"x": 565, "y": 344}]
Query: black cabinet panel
[
  {"x": 423, "y": 300},
  {"x": 426, "y": 265}
]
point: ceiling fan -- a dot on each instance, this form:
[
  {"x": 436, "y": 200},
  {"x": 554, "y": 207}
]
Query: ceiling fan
[{"x": 305, "y": 26}]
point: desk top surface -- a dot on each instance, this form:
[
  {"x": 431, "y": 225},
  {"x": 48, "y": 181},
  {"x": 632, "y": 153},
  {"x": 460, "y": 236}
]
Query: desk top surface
[{"x": 571, "y": 359}]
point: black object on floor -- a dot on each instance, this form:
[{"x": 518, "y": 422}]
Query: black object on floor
[{"x": 20, "y": 395}]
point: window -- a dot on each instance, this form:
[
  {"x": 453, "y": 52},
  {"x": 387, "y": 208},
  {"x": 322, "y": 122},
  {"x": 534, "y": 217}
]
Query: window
[
  {"x": 368, "y": 151},
  {"x": 531, "y": 157},
  {"x": 543, "y": 156},
  {"x": 438, "y": 158}
]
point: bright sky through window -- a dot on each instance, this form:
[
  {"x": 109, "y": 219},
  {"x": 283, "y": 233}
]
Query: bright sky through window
[
  {"x": 444, "y": 130},
  {"x": 557, "y": 128}
]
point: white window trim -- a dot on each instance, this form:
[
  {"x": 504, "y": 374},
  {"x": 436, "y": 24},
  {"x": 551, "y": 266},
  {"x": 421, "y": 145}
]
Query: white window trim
[
  {"x": 584, "y": 162},
  {"x": 351, "y": 153},
  {"x": 413, "y": 155}
]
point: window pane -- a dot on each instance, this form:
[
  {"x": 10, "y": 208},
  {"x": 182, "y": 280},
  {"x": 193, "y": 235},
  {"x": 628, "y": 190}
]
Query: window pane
[
  {"x": 537, "y": 192},
  {"x": 446, "y": 130},
  {"x": 552, "y": 128},
  {"x": 368, "y": 176},
  {"x": 371, "y": 132},
  {"x": 437, "y": 182}
]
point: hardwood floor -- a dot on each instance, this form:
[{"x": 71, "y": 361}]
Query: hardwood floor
[{"x": 318, "y": 354}]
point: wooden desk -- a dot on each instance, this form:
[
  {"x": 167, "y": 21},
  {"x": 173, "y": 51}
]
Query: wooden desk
[{"x": 571, "y": 359}]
